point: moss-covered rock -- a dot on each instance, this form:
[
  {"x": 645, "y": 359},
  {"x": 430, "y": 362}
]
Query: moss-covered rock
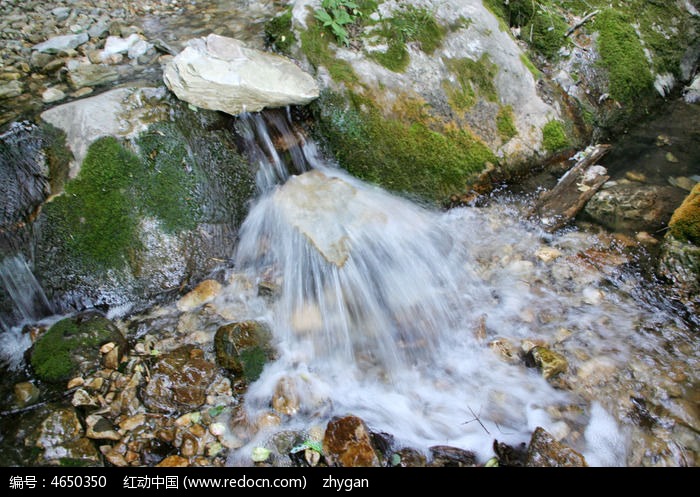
[
  {"x": 244, "y": 348},
  {"x": 278, "y": 32},
  {"x": 685, "y": 221},
  {"x": 403, "y": 156},
  {"x": 622, "y": 54},
  {"x": 71, "y": 347}
]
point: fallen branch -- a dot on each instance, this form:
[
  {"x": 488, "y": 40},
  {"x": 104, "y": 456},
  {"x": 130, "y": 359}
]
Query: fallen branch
[{"x": 581, "y": 23}]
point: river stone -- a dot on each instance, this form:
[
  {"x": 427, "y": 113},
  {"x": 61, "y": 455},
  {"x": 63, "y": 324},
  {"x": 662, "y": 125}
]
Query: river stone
[
  {"x": 62, "y": 439},
  {"x": 173, "y": 462},
  {"x": 631, "y": 207},
  {"x": 122, "y": 112},
  {"x": 285, "y": 399},
  {"x": 26, "y": 393},
  {"x": 179, "y": 381},
  {"x": 99, "y": 428},
  {"x": 61, "y": 43},
  {"x": 348, "y": 443},
  {"x": 51, "y": 95},
  {"x": 116, "y": 45},
  {"x": 446, "y": 456},
  {"x": 220, "y": 73},
  {"x": 205, "y": 292},
  {"x": 91, "y": 75},
  {"x": 408, "y": 458},
  {"x": 244, "y": 348},
  {"x": 331, "y": 204},
  {"x": 545, "y": 452},
  {"x": 551, "y": 363}
]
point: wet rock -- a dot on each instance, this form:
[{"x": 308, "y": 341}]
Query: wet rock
[
  {"x": 244, "y": 348},
  {"x": 71, "y": 346},
  {"x": 113, "y": 456},
  {"x": 122, "y": 112},
  {"x": 545, "y": 452},
  {"x": 509, "y": 455},
  {"x": 26, "y": 393},
  {"x": 220, "y": 73},
  {"x": 173, "y": 462},
  {"x": 203, "y": 293},
  {"x": 91, "y": 75},
  {"x": 505, "y": 350},
  {"x": 636, "y": 176},
  {"x": 100, "y": 428},
  {"x": 408, "y": 458},
  {"x": 691, "y": 93},
  {"x": 631, "y": 207},
  {"x": 62, "y": 439},
  {"x": 285, "y": 400},
  {"x": 551, "y": 363},
  {"x": 347, "y": 443},
  {"x": 81, "y": 398},
  {"x": 179, "y": 381},
  {"x": 446, "y": 456},
  {"x": 671, "y": 158},
  {"x": 683, "y": 182},
  {"x": 547, "y": 254},
  {"x": 132, "y": 422},
  {"x": 61, "y": 43}
]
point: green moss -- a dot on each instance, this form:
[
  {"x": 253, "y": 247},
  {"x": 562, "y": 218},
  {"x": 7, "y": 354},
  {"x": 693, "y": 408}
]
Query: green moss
[
  {"x": 166, "y": 185},
  {"x": 278, "y": 32},
  {"x": 96, "y": 214},
  {"x": 685, "y": 222},
  {"x": 545, "y": 33},
  {"x": 406, "y": 157},
  {"x": 504, "y": 123},
  {"x": 409, "y": 24},
  {"x": 395, "y": 58},
  {"x": 554, "y": 137},
  {"x": 253, "y": 360},
  {"x": 315, "y": 45},
  {"x": 472, "y": 77},
  {"x": 52, "y": 354},
  {"x": 530, "y": 66},
  {"x": 622, "y": 55}
]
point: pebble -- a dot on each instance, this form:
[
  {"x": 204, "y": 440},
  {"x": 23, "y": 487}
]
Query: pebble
[{"x": 52, "y": 95}]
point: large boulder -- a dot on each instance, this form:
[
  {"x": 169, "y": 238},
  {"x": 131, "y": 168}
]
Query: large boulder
[{"x": 221, "y": 73}]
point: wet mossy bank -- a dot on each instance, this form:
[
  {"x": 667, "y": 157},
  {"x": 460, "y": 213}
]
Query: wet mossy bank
[{"x": 145, "y": 216}]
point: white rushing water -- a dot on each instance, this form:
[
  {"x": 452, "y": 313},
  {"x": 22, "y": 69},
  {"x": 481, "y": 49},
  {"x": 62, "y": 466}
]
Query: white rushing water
[{"x": 391, "y": 311}]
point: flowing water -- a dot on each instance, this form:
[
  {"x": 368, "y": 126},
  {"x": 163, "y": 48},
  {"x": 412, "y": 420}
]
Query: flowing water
[
  {"x": 416, "y": 320},
  {"x": 412, "y": 319}
]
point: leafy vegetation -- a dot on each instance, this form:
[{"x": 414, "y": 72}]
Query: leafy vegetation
[
  {"x": 279, "y": 33},
  {"x": 336, "y": 14}
]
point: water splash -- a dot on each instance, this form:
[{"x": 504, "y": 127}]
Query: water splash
[{"x": 397, "y": 313}]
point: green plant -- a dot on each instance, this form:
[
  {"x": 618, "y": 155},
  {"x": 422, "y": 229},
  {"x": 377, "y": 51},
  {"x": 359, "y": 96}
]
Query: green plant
[
  {"x": 504, "y": 123},
  {"x": 336, "y": 14}
]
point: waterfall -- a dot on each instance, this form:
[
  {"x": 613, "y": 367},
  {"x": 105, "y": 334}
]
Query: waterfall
[{"x": 29, "y": 303}]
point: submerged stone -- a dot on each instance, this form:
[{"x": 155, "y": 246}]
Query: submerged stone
[
  {"x": 179, "y": 381},
  {"x": 446, "y": 456},
  {"x": 551, "y": 363},
  {"x": 244, "y": 348},
  {"x": 221, "y": 73}
]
